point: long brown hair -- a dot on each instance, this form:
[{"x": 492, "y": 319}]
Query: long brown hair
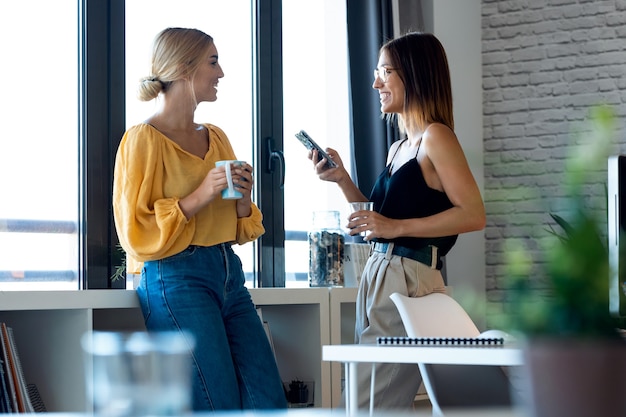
[{"x": 421, "y": 63}]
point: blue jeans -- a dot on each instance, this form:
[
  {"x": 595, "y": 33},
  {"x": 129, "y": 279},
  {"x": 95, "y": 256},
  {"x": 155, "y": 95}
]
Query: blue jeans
[{"x": 201, "y": 290}]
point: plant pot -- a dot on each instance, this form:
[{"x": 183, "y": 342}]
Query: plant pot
[
  {"x": 299, "y": 393},
  {"x": 576, "y": 378}
]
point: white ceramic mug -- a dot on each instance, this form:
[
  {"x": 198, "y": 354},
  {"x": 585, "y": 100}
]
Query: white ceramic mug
[{"x": 230, "y": 193}]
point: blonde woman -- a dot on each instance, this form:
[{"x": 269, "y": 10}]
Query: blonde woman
[{"x": 178, "y": 231}]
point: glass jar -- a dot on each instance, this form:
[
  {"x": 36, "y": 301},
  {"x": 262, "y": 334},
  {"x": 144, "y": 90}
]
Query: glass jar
[{"x": 326, "y": 246}]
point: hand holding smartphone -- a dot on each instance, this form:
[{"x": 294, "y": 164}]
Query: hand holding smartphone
[{"x": 310, "y": 144}]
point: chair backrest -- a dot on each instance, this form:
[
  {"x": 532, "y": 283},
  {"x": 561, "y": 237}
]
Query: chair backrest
[
  {"x": 439, "y": 315},
  {"x": 434, "y": 315}
]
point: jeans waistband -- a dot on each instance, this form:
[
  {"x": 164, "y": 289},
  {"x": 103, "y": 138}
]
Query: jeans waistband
[{"x": 428, "y": 255}]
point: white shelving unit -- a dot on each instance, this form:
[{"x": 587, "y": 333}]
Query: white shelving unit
[
  {"x": 48, "y": 326},
  {"x": 342, "y": 320},
  {"x": 299, "y": 323}
]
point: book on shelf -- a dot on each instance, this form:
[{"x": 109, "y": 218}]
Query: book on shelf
[
  {"x": 15, "y": 389},
  {"x": 21, "y": 380},
  {"x": 35, "y": 399},
  {"x": 8, "y": 373},
  {"x": 5, "y": 401}
]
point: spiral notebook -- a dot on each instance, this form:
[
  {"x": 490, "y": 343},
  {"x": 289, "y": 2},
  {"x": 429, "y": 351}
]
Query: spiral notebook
[{"x": 440, "y": 341}]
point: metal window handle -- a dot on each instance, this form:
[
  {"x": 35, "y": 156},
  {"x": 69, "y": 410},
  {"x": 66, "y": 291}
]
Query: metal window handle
[{"x": 275, "y": 155}]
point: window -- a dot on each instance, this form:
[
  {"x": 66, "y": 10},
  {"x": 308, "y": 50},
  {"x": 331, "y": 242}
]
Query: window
[
  {"x": 38, "y": 161},
  {"x": 315, "y": 98},
  {"x": 71, "y": 93},
  {"x": 315, "y": 91},
  {"x": 232, "y": 111}
]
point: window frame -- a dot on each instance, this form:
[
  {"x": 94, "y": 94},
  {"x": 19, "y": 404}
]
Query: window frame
[
  {"x": 101, "y": 114},
  {"x": 101, "y": 125},
  {"x": 268, "y": 130}
]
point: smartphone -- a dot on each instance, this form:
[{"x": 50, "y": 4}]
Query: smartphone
[{"x": 310, "y": 145}]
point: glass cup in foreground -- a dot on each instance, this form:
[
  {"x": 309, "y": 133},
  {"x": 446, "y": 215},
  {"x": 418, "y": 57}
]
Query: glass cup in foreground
[
  {"x": 362, "y": 205},
  {"x": 138, "y": 373}
]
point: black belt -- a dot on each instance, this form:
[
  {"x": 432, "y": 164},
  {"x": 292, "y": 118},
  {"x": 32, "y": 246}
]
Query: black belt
[{"x": 428, "y": 255}]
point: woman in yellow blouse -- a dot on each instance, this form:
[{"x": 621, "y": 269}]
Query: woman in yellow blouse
[{"x": 177, "y": 230}]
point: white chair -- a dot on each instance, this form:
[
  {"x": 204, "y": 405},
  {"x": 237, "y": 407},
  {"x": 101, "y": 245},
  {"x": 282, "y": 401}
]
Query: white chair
[{"x": 451, "y": 386}]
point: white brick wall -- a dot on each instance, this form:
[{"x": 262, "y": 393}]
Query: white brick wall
[{"x": 545, "y": 64}]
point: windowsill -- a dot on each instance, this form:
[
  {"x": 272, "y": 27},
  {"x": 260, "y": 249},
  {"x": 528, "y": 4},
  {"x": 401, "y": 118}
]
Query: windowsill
[
  {"x": 112, "y": 299},
  {"x": 67, "y": 300}
]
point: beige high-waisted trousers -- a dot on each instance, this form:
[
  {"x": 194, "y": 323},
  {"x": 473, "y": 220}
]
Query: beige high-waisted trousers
[{"x": 376, "y": 315}]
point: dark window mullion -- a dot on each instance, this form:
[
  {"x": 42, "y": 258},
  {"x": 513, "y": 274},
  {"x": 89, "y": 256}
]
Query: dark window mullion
[
  {"x": 102, "y": 104},
  {"x": 268, "y": 86}
]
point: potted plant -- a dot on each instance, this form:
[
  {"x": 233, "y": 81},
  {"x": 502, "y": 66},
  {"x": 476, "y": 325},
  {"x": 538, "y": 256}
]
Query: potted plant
[
  {"x": 119, "y": 262},
  {"x": 574, "y": 352},
  {"x": 298, "y": 392}
]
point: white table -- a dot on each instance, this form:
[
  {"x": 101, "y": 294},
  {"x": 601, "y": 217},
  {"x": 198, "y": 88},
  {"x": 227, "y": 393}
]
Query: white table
[{"x": 351, "y": 355}]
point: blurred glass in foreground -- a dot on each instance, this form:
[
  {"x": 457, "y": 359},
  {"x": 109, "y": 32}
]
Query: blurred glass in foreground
[{"x": 139, "y": 373}]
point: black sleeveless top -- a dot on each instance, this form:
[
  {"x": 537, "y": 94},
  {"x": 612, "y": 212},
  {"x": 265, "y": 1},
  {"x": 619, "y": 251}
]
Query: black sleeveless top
[{"x": 405, "y": 195}]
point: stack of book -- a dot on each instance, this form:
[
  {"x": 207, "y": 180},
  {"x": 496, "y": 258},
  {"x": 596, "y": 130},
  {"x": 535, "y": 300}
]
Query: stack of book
[{"x": 15, "y": 395}]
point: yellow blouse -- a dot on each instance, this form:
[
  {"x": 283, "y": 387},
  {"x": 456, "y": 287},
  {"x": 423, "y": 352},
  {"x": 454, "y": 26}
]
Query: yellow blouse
[{"x": 151, "y": 174}]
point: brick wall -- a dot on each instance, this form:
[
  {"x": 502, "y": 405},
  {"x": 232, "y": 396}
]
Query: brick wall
[{"x": 546, "y": 64}]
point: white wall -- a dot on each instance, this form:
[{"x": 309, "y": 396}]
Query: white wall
[{"x": 457, "y": 24}]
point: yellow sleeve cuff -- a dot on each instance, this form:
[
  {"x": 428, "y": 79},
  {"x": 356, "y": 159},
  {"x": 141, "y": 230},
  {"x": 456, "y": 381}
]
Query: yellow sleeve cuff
[{"x": 250, "y": 228}]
